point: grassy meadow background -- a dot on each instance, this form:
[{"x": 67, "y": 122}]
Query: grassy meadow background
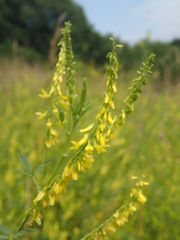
[{"x": 147, "y": 144}]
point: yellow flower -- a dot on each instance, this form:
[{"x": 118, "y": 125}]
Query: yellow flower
[
  {"x": 49, "y": 124},
  {"x": 77, "y": 145},
  {"x": 52, "y": 199},
  {"x": 59, "y": 187},
  {"x": 102, "y": 126},
  {"x": 89, "y": 148},
  {"x": 141, "y": 198},
  {"x": 100, "y": 148},
  {"x": 69, "y": 173},
  {"x": 40, "y": 196},
  {"x": 44, "y": 94},
  {"x": 36, "y": 217},
  {"x": 110, "y": 120},
  {"x": 114, "y": 87},
  {"x": 87, "y": 129},
  {"x": 49, "y": 143},
  {"x": 54, "y": 132},
  {"x": 41, "y": 115}
]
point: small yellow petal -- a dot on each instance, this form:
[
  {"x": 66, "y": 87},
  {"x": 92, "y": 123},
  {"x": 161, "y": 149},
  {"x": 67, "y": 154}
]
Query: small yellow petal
[
  {"x": 87, "y": 129},
  {"x": 39, "y": 196}
]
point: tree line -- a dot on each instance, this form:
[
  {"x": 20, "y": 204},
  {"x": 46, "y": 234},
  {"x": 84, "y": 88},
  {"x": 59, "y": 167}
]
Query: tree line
[{"x": 30, "y": 25}]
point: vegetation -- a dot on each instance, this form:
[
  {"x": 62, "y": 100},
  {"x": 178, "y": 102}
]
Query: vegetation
[
  {"x": 20, "y": 21},
  {"x": 148, "y": 144},
  {"x": 68, "y": 157}
]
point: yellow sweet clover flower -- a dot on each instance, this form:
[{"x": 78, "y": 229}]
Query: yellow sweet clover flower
[
  {"x": 44, "y": 94},
  {"x": 40, "y": 196},
  {"x": 121, "y": 215},
  {"x": 60, "y": 99},
  {"x": 41, "y": 115},
  {"x": 35, "y": 217},
  {"x": 87, "y": 129},
  {"x": 81, "y": 142}
]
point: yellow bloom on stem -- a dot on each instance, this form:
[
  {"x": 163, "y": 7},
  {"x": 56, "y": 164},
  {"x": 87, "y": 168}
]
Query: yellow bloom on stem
[
  {"x": 89, "y": 148},
  {"x": 141, "y": 198},
  {"x": 87, "y": 129},
  {"x": 49, "y": 124},
  {"x": 41, "y": 115},
  {"x": 40, "y": 196},
  {"x": 77, "y": 145},
  {"x": 36, "y": 217},
  {"x": 44, "y": 94}
]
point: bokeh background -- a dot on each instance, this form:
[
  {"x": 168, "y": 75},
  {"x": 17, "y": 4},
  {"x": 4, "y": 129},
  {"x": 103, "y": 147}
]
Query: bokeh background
[{"x": 147, "y": 144}]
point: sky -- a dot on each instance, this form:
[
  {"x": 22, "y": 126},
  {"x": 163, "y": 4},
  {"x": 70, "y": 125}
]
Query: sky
[{"x": 133, "y": 20}]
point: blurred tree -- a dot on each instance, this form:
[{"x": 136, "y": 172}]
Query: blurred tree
[{"x": 31, "y": 23}]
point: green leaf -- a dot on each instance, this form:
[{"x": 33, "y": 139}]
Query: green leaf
[
  {"x": 5, "y": 230},
  {"x": 3, "y": 237},
  {"x": 24, "y": 172},
  {"x": 61, "y": 114},
  {"x": 19, "y": 234},
  {"x": 25, "y": 162},
  {"x": 40, "y": 167}
]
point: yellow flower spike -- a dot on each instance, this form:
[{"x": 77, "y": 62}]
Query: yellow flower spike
[
  {"x": 87, "y": 129},
  {"x": 40, "y": 196},
  {"x": 41, "y": 115},
  {"x": 77, "y": 145}
]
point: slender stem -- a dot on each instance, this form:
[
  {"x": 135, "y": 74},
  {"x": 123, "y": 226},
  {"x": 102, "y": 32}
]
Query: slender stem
[{"x": 24, "y": 220}]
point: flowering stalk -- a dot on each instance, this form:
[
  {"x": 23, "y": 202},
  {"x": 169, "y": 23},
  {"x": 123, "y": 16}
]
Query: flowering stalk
[
  {"x": 66, "y": 110},
  {"x": 58, "y": 115},
  {"x": 121, "y": 216}
]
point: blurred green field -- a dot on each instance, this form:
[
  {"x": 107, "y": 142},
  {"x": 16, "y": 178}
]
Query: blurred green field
[{"x": 147, "y": 144}]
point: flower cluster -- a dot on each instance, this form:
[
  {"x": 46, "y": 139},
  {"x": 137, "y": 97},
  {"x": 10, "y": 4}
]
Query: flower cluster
[
  {"x": 66, "y": 109},
  {"x": 57, "y": 114},
  {"x": 144, "y": 74},
  {"x": 121, "y": 216}
]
